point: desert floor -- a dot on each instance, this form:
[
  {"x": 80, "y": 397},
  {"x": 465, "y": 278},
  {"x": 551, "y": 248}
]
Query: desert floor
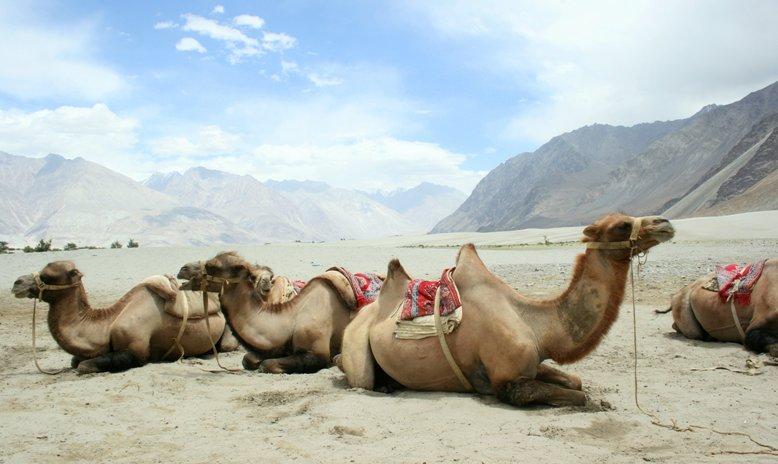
[{"x": 179, "y": 413}]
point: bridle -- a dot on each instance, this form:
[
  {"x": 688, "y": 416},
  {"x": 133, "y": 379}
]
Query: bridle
[
  {"x": 41, "y": 286},
  {"x": 631, "y": 243}
]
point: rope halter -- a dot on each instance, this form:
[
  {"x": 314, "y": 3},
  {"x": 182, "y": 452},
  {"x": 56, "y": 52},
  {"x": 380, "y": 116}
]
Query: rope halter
[
  {"x": 41, "y": 285},
  {"x": 631, "y": 244}
]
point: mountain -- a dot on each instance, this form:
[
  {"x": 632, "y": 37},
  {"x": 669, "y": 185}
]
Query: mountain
[
  {"x": 423, "y": 205},
  {"x": 649, "y": 168},
  {"x": 335, "y": 213},
  {"x": 243, "y": 199},
  {"x": 76, "y": 200}
]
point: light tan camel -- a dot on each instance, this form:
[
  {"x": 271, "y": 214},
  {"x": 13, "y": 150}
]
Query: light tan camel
[
  {"x": 300, "y": 335},
  {"x": 504, "y": 337},
  {"x": 701, "y": 315},
  {"x": 140, "y": 327}
]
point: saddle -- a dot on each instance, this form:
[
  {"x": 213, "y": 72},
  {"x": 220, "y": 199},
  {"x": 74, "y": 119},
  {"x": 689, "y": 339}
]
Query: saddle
[
  {"x": 366, "y": 286},
  {"x": 416, "y": 318},
  {"x": 733, "y": 282},
  {"x": 187, "y": 302}
]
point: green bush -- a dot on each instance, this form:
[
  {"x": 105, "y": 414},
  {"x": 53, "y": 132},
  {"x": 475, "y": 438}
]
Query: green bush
[
  {"x": 116, "y": 244},
  {"x": 70, "y": 246},
  {"x": 132, "y": 244},
  {"x": 4, "y": 248}
]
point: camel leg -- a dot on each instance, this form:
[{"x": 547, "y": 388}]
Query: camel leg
[
  {"x": 115, "y": 361},
  {"x": 524, "y": 392},
  {"x": 252, "y": 360},
  {"x": 227, "y": 342},
  {"x": 298, "y": 363},
  {"x": 551, "y": 375},
  {"x": 762, "y": 340},
  {"x": 75, "y": 361}
]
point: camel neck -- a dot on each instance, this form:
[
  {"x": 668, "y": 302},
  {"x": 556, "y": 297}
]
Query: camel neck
[
  {"x": 76, "y": 327},
  {"x": 256, "y": 327},
  {"x": 582, "y": 315}
]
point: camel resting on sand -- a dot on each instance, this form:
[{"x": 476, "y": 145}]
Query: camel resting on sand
[
  {"x": 700, "y": 314},
  {"x": 140, "y": 327},
  {"x": 297, "y": 336},
  {"x": 504, "y": 337}
]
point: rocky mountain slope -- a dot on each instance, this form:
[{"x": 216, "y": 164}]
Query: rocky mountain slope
[
  {"x": 423, "y": 205},
  {"x": 74, "y": 200},
  {"x": 644, "y": 169}
]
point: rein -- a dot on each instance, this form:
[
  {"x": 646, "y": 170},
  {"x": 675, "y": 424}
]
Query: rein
[
  {"x": 204, "y": 280},
  {"x": 41, "y": 287},
  {"x": 673, "y": 425}
]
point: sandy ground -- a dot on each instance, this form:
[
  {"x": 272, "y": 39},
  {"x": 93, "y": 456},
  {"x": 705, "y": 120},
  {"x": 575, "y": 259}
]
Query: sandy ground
[{"x": 179, "y": 413}]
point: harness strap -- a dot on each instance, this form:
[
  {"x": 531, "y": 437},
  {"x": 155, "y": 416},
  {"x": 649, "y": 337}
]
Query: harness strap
[
  {"x": 634, "y": 235},
  {"x": 177, "y": 340},
  {"x": 444, "y": 345},
  {"x": 204, "y": 289},
  {"x": 41, "y": 287},
  {"x": 736, "y": 319}
]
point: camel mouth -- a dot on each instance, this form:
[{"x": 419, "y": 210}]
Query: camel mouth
[
  {"x": 661, "y": 233},
  {"x": 21, "y": 292}
]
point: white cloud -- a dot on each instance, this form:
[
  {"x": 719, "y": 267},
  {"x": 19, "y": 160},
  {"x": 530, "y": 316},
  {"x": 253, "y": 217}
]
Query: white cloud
[
  {"x": 251, "y": 21},
  {"x": 207, "y": 141},
  {"x": 324, "y": 81},
  {"x": 289, "y": 67},
  {"x": 165, "y": 25},
  {"x": 95, "y": 133},
  {"x": 277, "y": 41},
  {"x": 49, "y": 61},
  {"x": 239, "y": 44},
  {"x": 188, "y": 44},
  {"x": 612, "y": 62},
  {"x": 218, "y": 9}
]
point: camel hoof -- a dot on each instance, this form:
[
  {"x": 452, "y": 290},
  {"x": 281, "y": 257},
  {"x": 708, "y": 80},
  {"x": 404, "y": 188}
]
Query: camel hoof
[
  {"x": 251, "y": 362},
  {"x": 85, "y": 368},
  {"x": 268, "y": 366},
  {"x": 575, "y": 383},
  {"x": 773, "y": 350}
]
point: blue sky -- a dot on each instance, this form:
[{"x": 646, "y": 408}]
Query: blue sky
[{"x": 373, "y": 95}]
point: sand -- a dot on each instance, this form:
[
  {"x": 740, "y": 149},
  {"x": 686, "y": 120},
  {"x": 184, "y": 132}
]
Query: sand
[{"x": 179, "y": 413}]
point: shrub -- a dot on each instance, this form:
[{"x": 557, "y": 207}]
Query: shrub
[
  {"x": 116, "y": 244},
  {"x": 132, "y": 244},
  {"x": 4, "y": 248},
  {"x": 43, "y": 245},
  {"x": 70, "y": 246}
]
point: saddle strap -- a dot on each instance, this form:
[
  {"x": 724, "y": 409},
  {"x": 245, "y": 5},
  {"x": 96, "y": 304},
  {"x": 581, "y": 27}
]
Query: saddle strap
[
  {"x": 444, "y": 345},
  {"x": 177, "y": 340},
  {"x": 736, "y": 319}
]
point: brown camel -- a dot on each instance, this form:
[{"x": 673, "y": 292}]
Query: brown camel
[
  {"x": 297, "y": 336},
  {"x": 504, "y": 337},
  {"x": 700, "y": 314},
  {"x": 140, "y": 327}
]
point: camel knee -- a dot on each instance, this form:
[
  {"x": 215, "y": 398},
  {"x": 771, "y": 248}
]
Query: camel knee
[
  {"x": 251, "y": 361},
  {"x": 228, "y": 342},
  {"x": 116, "y": 361},
  {"x": 270, "y": 366},
  {"x": 527, "y": 392},
  {"x": 760, "y": 340}
]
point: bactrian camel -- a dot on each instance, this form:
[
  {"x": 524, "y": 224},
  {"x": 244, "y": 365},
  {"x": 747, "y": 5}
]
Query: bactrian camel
[
  {"x": 141, "y": 327},
  {"x": 700, "y": 314},
  {"x": 504, "y": 337},
  {"x": 297, "y": 336}
]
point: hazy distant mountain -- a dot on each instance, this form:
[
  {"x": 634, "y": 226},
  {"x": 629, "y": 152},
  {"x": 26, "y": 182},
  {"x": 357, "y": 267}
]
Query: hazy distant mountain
[
  {"x": 423, "y": 205},
  {"x": 644, "y": 169},
  {"x": 242, "y": 199},
  {"x": 76, "y": 200},
  {"x": 339, "y": 213}
]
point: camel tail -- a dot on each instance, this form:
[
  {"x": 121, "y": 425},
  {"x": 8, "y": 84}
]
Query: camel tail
[{"x": 663, "y": 311}]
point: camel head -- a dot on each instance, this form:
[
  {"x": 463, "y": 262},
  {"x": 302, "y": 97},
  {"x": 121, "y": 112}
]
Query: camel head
[
  {"x": 192, "y": 272},
  {"x": 614, "y": 235},
  {"x": 231, "y": 266},
  {"x": 58, "y": 273}
]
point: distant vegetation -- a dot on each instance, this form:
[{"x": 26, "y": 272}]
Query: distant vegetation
[
  {"x": 70, "y": 246},
  {"x": 116, "y": 244},
  {"x": 132, "y": 244},
  {"x": 4, "y": 248},
  {"x": 43, "y": 245}
]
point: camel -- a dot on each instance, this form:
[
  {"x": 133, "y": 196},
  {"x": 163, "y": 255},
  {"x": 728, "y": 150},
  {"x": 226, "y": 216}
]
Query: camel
[
  {"x": 700, "y": 314},
  {"x": 297, "y": 336},
  {"x": 141, "y": 327},
  {"x": 504, "y": 337}
]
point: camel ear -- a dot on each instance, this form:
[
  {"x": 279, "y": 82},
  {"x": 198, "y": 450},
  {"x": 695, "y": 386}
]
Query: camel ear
[
  {"x": 591, "y": 231},
  {"x": 75, "y": 273}
]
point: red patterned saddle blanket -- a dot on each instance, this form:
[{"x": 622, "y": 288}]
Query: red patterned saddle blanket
[
  {"x": 736, "y": 282},
  {"x": 298, "y": 285},
  {"x": 420, "y": 297},
  {"x": 366, "y": 286}
]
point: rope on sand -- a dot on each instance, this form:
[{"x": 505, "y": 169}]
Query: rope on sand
[{"x": 673, "y": 424}]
